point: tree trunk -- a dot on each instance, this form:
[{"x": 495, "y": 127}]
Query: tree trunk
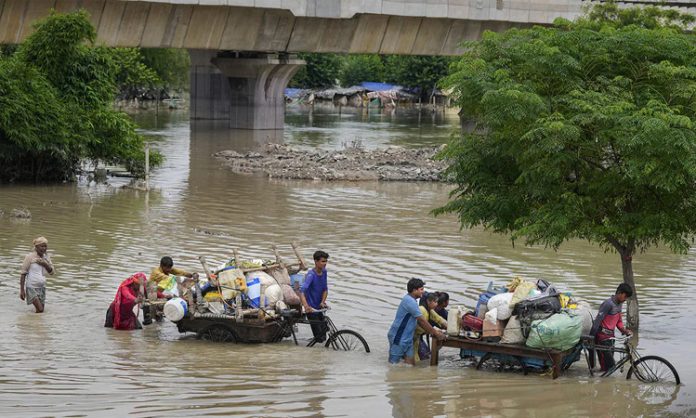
[{"x": 627, "y": 267}]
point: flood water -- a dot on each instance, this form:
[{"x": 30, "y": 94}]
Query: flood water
[{"x": 378, "y": 235}]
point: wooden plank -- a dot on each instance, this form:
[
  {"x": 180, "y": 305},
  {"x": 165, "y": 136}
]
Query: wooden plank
[{"x": 556, "y": 356}]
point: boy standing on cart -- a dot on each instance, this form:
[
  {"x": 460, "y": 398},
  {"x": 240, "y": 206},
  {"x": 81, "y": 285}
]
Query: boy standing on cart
[
  {"x": 608, "y": 318},
  {"x": 313, "y": 294}
]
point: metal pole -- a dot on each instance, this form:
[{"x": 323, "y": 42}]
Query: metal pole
[{"x": 147, "y": 166}]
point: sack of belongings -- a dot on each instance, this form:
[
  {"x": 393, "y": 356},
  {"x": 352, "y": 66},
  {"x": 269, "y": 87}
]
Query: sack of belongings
[{"x": 560, "y": 331}]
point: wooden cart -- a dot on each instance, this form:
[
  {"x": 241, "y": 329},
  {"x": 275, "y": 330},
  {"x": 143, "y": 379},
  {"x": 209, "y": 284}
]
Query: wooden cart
[{"x": 558, "y": 359}]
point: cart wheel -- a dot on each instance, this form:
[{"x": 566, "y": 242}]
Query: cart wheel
[
  {"x": 654, "y": 369},
  {"x": 347, "y": 340},
  {"x": 218, "y": 333},
  {"x": 504, "y": 364}
]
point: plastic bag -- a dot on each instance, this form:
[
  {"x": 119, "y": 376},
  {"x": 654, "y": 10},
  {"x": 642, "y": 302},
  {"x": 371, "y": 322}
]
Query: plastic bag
[
  {"x": 501, "y": 302},
  {"x": 521, "y": 292},
  {"x": 560, "y": 331},
  {"x": 513, "y": 332}
]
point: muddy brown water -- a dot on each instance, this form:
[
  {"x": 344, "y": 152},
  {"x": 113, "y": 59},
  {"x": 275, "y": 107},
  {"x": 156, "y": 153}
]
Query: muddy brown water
[{"x": 64, "y": 363}]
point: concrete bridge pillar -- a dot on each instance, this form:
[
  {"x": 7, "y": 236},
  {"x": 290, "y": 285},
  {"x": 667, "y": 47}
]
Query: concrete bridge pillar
[{"x": 247, "y": 91}]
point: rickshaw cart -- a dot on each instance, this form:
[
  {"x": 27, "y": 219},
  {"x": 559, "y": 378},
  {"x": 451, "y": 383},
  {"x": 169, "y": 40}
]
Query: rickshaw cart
[{"x": 517, "y": 351}]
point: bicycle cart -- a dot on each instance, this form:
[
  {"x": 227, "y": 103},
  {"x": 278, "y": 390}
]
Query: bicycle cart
[
  {"x": 246, "y": 316},
  {"x": 504, "y": 356},
  {"x": 338, "y": 339},
  {"x": 225, "y": 328}
]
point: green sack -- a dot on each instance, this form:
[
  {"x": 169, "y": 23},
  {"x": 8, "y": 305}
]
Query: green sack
[{"x": 560, "y": 331}]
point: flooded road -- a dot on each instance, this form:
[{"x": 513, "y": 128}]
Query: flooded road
[{"x": 64, "y": 363}]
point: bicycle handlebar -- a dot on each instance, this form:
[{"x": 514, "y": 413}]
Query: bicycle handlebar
[{"x": 322, "y": 310}]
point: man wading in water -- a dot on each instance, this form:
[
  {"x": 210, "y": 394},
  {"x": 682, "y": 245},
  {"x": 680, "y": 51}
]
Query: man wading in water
[
  {"x": 402, "y": 329},
  {"x": 32, "y": 282}
]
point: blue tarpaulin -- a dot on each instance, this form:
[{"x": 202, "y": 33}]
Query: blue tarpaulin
[
  {"x": 373, "y": 86},
  {"x": 293, "y": 93}
]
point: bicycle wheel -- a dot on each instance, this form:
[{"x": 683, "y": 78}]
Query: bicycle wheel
[
  {"x": 347, "y": 340},
  {"x": 218, "y": 333},
  {"x": 653, "y": 369},
  {"x": 502, "y": 363}
]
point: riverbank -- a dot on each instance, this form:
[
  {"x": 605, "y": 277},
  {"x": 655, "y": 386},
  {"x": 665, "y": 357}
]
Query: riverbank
[{"x": 353, "y": 163}]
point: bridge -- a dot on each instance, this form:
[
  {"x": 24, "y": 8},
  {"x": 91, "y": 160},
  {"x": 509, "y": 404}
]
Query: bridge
[{"x": 242, "y": 50}]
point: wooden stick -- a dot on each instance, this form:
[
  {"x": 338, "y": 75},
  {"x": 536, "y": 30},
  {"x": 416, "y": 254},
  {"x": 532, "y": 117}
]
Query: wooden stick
[
  {"x": 237, "y": 263},
  {"x": 303, "y": 263},
  {"x": 238, "y": 297},
  {"x": 268, "y": 267},
  {"x": 277, "y": 256},
  {"x": 205, "y": 266}
]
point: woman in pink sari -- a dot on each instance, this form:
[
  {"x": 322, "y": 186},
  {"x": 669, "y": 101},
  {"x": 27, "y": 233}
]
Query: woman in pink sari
[{"x": 126, "y": 298}]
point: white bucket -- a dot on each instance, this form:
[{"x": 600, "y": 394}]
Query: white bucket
[{"x": 175, "y": 309}]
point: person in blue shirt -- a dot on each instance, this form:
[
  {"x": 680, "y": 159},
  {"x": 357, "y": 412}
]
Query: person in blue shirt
[
  {"x": 407, "y": 315},
  {"x": 313, "y": 294}
]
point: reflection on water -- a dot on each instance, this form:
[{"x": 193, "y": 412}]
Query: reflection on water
[
  {"x": 328, "y": 126},
  {"x": 378, "y": 234}
]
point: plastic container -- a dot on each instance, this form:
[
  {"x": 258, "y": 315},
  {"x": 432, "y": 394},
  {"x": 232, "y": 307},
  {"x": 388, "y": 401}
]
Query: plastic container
[
  {"x": 454, "y": 323},
  {"x": 496, "y": 290},
  {"x": 297, "y": 278},
  {"x": 254, "y": 291},
  {"x": 175, "y": 309}
]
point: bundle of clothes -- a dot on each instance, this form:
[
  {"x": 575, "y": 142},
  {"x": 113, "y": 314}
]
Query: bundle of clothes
[
  {"x": 522, "y": 312},
  {"x": 272, "y": 289}
]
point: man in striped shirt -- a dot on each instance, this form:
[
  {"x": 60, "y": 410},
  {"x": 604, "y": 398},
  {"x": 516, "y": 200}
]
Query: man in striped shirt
[{"x": 608, "y": 318}]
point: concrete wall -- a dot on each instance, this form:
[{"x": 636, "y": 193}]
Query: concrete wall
[{"x": 424, "y": 27}]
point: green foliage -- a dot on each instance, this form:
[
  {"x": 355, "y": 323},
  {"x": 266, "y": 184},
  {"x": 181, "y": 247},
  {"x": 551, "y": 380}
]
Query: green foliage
[
  {"x": 132, "y": 71},
  {"x": 610, "y": 14},
  {"x": 583, "y": 130},
  {"x": 362, "y": 67},
  {"x": 423, "y": 72},
  {"x": 56, "y": 95},
  {"x": 7, "y": 50},
  {"x": 171, "y": 66},
  {"x": 321, "y": 71}
]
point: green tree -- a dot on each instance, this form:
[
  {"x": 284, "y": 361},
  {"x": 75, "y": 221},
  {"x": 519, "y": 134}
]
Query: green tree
[
  {"x": 422, "y": 72},
  {"x": 170, "y": 64},
  {"x": 56, "y": 96},
  {"x": 583, "y": 130},
  {"x": 361, "y": 67},
  {"x": 132, "y": 71},
  {"x": 322, "y": 71}
]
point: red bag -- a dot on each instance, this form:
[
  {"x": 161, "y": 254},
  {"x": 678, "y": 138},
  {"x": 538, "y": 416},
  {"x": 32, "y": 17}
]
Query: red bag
[{"x": 472, "y": 322}]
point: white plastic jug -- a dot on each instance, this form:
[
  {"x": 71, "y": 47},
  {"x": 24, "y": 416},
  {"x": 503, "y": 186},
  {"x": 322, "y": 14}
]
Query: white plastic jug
[
  {"x": 175, "y": 309},
  {"x": 454, "y": 321}
]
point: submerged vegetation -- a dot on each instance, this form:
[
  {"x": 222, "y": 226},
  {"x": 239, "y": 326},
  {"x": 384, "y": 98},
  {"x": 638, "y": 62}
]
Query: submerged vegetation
[{"x": 56, "y": 95}]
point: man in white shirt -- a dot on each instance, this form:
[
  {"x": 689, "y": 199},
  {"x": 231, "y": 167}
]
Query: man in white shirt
[{"x": 32, "y": 282}]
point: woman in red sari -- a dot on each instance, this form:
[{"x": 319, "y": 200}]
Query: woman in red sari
[{"x": 124, "y": 302}]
